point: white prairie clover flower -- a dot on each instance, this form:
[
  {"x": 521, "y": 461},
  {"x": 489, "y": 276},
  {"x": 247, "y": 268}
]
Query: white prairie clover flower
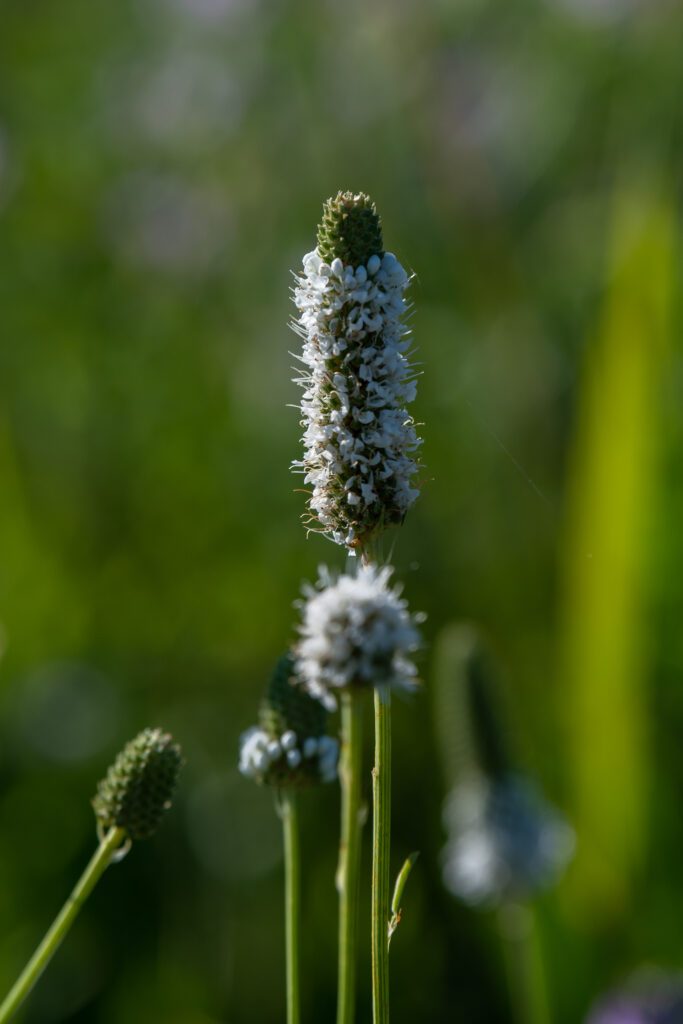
[
  {"x": 359, "y": 441},
  {"x": 356, "y": 632},
  {"x": 289, "y": 747},
  {"x": 505, "y": 841}
]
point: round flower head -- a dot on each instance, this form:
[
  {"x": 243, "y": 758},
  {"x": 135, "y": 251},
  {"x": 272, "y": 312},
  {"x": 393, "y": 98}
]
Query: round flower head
[
  {"x": 505, "y": 841},
  {"x": 356, "y": 631},
  {"x": 359, "y": 441},
  {"x": 137, "y": 790},
  {"x": 289, "y": 746}
]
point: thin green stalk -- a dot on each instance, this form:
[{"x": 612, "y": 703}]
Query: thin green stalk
[
  {"x": 62, "y": 923},
  {"x": 381, "y": 850},
  {"x": 290, "y": 830},
  {"x": 348, "y": 872},
  {"x": 526, "y": 981}
]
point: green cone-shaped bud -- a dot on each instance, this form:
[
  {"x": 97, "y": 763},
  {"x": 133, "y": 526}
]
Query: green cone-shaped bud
[
  {"x": 137, "y": 789},
  {"x": 350, "y": 230},
  {"x": 288, "y": 706},
  {"x": 289, "y": 746}
]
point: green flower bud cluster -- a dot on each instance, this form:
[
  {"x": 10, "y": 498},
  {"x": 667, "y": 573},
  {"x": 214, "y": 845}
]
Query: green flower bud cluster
[
  {"x": 288, "y": 706},
  {"x": 137, "y": 790},
  {"x": 289, "y": 746},
  {"x": 350, "y": 230}
]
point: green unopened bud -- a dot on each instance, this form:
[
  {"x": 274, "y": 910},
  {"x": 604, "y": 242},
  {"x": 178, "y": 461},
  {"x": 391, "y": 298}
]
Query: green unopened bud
[
  {"x": 288, "y": 706},
  {"x": 137, "y": 790},
  {"x": 350, "y": 230},
  {"x": 289, "y": 746}
]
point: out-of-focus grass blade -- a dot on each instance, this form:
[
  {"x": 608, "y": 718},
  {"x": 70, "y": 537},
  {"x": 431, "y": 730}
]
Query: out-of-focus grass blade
[{"x": 612, "y": 487}]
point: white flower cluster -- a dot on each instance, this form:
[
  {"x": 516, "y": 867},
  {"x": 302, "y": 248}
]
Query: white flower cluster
[
  {"x": 505, "y": 841},
  {"x": 358, "y": 439},
  {"x": 260, "y": 754},
  {"x": 356, "y": 631}
]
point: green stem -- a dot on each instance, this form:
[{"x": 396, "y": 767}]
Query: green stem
[
  {"x": 348, "y": 872},
  {"x": 381, "y": 850},
  {"x": 290, "y": 830},
  {"x": 62, "y": 923},
  {"x": 526, "y": 981}
]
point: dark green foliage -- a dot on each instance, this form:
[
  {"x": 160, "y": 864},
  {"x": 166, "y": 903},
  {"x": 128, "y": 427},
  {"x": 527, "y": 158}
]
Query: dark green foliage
[{"x": 137, "y": 790}]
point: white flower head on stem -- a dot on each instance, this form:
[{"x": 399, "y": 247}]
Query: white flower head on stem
[
  {"x": 356, "y": 631},
  {"x": 359, "y": 440}
]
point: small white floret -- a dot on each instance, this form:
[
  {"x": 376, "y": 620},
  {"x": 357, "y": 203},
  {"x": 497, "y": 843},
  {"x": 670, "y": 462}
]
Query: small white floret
[{"x": 288, "y": 740}]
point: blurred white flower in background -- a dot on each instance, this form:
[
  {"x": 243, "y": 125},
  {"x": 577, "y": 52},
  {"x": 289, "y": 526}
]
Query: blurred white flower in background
[
  {"x": 605, "y": 11},
  {"x": 188, "y": 97},
  {"x": 165, "y": 223},
  {"x": 65, "y": 711},
  {"x": 505, "y": 841}
]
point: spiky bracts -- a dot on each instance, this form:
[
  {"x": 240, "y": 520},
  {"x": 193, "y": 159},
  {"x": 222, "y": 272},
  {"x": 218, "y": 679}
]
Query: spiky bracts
[
  {"x": 289, "y": 747},
  {"x": 359, "y": 440},
  {"x": 356, "y": 631},
  {"x": 137, "y": 790},
  {"x": 350, "y": 230}
]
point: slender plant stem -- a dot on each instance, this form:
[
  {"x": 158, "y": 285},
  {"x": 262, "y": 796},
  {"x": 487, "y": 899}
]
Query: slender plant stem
[
  {"x": 62, "y": 923},
  {"x": 348, "y": 872},
  {"x": 290, "y": 830},
  {"x": 526, "y": 981},
  {"x": 381, "y": 851}
]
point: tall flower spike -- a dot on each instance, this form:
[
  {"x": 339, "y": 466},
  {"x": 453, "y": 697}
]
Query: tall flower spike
[
  {"x": 137, "y": 790},
  {"x": 359, "y": 440},
  {"x": 289, "y": 747},
  {"x": 356, "y": 632},
  {"x": 504, "y": 840}
]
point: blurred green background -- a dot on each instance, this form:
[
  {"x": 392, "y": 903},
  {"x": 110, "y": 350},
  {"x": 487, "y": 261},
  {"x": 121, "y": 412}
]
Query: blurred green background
[{"x": 162, "y": 166}]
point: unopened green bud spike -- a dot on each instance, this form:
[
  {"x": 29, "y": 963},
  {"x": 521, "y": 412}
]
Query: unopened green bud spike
[
  {"x": 129, "y": 804},
  {"x": 137, "y": 790}
]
